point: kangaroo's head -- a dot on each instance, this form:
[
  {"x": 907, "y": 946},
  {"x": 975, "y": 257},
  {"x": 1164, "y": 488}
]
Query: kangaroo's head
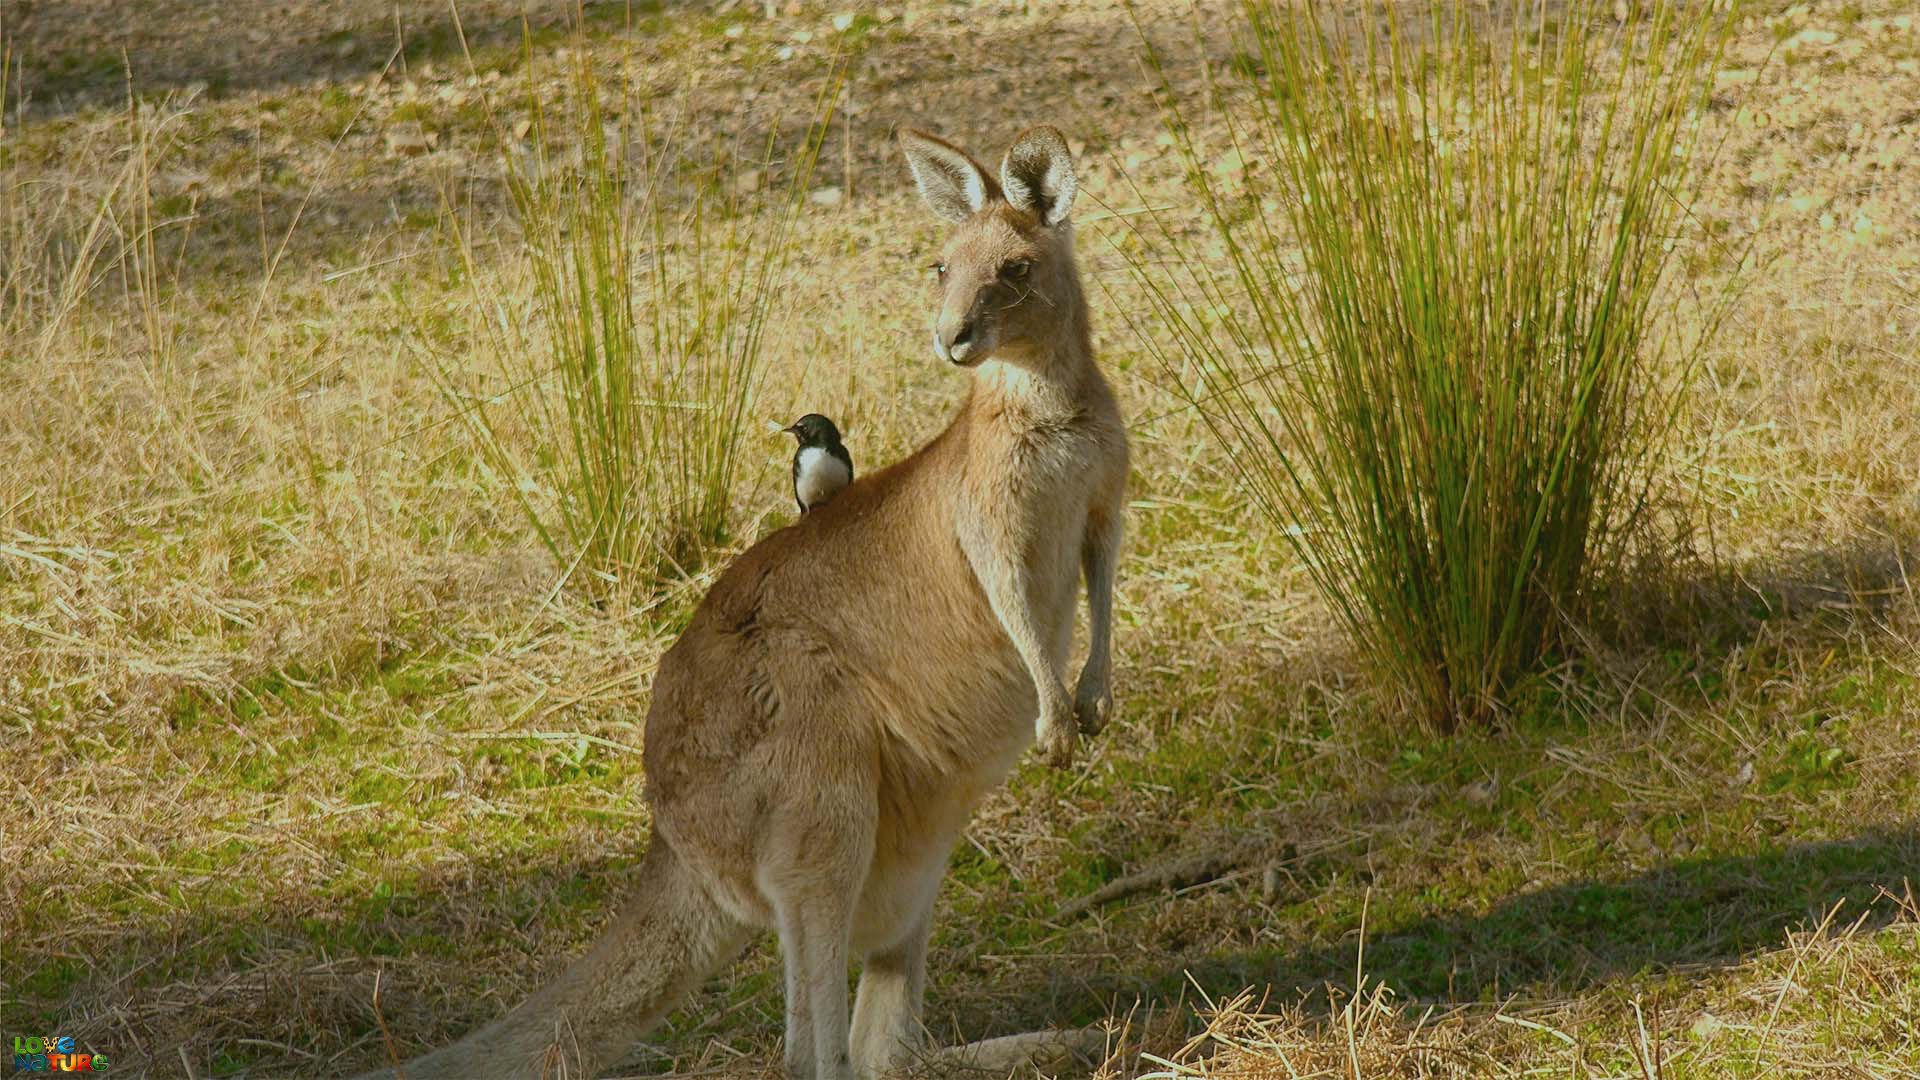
[{"x": 1007, "y": 282}]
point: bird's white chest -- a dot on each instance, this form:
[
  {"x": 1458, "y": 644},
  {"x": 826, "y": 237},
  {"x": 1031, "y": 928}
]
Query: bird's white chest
[{"x": 818, "y": 476}]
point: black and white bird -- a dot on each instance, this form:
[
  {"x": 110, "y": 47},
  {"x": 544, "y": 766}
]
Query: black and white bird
[{"x": 821, "y": 466}]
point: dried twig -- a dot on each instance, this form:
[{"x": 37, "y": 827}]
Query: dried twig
[{"x": 1175, "y": 873}]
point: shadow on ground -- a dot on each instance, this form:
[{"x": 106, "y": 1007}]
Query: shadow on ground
[
  {"x": 316, "y": 1003},
  {"x": 74, "y": 55},
  {"x": 1553, "y": 942},
  {"x": 1832, "y": 588},
  {"x": 323, "y": 178}
]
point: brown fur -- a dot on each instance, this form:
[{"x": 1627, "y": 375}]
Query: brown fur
[{"x": 853, "y": 684}]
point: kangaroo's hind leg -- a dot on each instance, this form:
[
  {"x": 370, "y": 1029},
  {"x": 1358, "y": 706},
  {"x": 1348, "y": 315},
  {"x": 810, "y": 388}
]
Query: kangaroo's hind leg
[
  {"x": 820, "y": 854},
  {"x": 886, "y": 1011},
  {"x": 797, "y": 1054}
]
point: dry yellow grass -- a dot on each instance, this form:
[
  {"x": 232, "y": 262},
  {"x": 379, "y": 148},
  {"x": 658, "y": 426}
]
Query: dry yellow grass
[
  {"x": 1819, "y": 1005},
  {"x": 290, "y": 702}
]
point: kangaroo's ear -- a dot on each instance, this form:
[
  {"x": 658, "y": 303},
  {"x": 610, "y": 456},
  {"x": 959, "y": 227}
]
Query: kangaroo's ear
[
  {"x": 1038, "y": 174},
  {"x": 954, "y": 185}
]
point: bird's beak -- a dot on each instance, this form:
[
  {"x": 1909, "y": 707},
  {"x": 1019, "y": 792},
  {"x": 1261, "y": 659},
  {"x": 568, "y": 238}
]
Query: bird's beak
[{"x": 774, "y": 428}]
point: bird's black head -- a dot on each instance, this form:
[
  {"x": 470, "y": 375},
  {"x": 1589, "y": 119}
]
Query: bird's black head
[{"x": 814, "y": 430}]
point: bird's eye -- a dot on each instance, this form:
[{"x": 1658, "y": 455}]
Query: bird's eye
[
  {"x": 940, "y": 270},
  {"x": 1016, "y": 270}
]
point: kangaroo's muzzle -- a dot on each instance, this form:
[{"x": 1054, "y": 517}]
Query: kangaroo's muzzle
[{"x": 960, "y": 341}]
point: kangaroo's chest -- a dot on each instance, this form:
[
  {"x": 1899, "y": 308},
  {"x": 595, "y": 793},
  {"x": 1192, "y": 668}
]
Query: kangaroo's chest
[{"x": 1039, "y": 497}]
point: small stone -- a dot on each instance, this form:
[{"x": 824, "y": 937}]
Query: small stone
[
  {"x": 1483, "y": 792},
  {"x": 1812, "y": 37},
  {"x": 842, "y": 21},
  {"x": 410, "y": 140},
  {"x": 826, "y": 196}
]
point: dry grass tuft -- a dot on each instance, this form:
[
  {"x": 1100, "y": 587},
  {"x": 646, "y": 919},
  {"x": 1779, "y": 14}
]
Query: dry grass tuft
[{"x": 1803, "y": 1009}]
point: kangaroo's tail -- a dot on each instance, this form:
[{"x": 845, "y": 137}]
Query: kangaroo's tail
[{"x": 665, "y": 941}]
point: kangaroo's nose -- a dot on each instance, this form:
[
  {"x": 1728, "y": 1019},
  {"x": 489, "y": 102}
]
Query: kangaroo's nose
[{"x": 955, "y": 340}]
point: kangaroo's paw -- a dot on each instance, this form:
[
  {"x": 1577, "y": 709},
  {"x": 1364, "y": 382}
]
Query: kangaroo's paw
[
  {"x": 1092, "y": 705},
  {"x": 1056, "y": 739}
]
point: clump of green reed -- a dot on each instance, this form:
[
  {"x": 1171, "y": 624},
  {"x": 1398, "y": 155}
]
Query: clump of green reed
[
  {"x": 628, "y": 367},
  {"x": 1434, "y": 327}
]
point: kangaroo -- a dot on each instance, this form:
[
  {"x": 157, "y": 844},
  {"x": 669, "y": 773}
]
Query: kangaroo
[{"x": 854, "y": 683}]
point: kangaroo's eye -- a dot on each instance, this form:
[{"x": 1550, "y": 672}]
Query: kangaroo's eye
[{"x": 1016, "y": 270}]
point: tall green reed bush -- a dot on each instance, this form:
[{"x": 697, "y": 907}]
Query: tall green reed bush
[
  {"x": 627, "y": 370},
  {"x": 1432, "y": 322}
]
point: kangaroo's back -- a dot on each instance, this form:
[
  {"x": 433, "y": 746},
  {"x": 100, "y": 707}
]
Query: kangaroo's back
[{"x": 861, "y": 629}]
